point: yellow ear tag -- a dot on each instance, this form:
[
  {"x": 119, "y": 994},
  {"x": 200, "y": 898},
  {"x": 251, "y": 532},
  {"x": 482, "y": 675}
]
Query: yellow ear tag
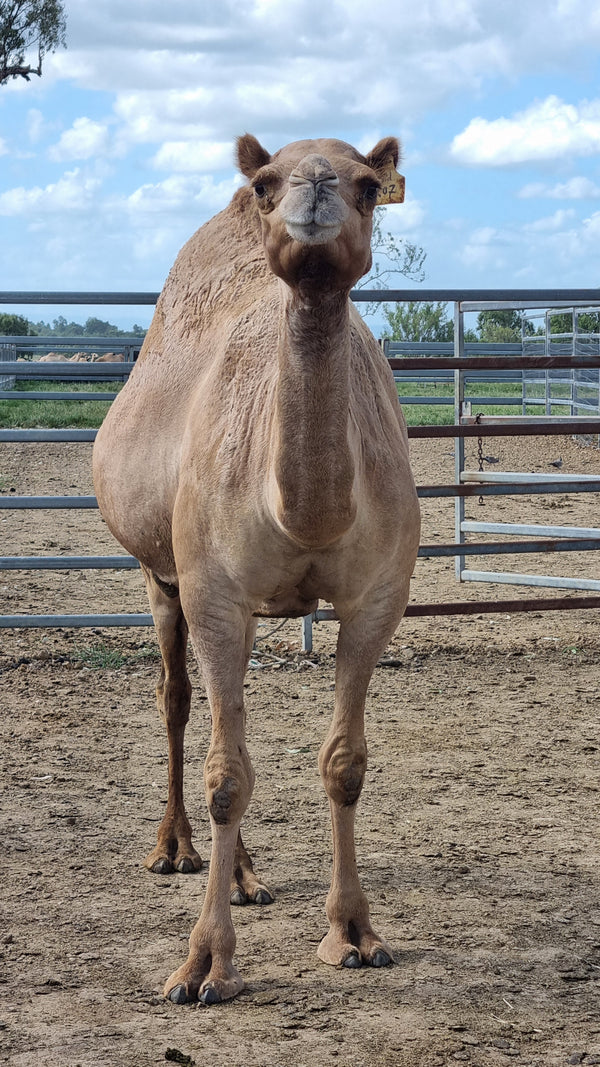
[{"x": 392, "y": 187}]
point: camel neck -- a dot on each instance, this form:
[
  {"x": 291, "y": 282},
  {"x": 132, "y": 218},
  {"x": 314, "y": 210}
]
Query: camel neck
[{"x": 313, "y": 462}]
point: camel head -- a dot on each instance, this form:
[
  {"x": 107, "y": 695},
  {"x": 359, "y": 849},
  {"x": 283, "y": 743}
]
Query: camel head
[{"x": 315, "y": 201}]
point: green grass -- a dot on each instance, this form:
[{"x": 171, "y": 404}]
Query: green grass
[
  {"x": 57, "y": 414},
  {"x": 443, "y": 414},
  {"x": 102, "y": 657},
  {"x": 88, "y": 414}
]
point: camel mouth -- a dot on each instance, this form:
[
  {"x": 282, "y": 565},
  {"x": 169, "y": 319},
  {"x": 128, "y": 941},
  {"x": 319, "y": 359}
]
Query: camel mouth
[{"x": 313, "y": 233}]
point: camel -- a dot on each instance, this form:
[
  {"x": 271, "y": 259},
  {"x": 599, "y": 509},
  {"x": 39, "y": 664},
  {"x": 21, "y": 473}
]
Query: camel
[
  {"x": 109, "y": 357},
  {"x": 256, "y": 461}
]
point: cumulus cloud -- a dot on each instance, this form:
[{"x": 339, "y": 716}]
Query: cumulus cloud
[
  {"x": 194, "y": 156},
  {"x": 199, "y": 197},
  {"x": 84, "y": 140},
  {"x": 591, "y": 229},
  {"x": 74, "y": 192},
  {"x": 403, "y": 219},
  {"x": 269, "y": 60},
  {"x": 35, "y": 124},
  {"x": 549, "y": 129},
  {"x": 291, "y": 68},
  {"x": 577, "y": 188},
  {"x": 562, "y": 240},
  {"x": 552, "y": 223}
]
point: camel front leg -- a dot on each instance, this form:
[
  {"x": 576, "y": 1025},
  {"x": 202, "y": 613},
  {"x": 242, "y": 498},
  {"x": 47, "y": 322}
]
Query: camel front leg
[
  {"x": 209, "y": 974},
  {"x": 351, "y": 939}
]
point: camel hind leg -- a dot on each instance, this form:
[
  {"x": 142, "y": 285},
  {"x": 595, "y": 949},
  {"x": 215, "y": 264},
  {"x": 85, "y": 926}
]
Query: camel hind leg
[
  {"x": 174, "y": 850},
  {"x": 246, "y": 887}
]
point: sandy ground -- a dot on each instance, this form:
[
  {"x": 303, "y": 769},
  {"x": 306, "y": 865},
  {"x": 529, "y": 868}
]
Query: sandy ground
[{"x": 477, "y": 829}]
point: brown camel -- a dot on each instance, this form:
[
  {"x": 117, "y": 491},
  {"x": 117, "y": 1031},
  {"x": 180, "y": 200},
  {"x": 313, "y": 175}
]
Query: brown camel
[{"x": 257, "y": 460}]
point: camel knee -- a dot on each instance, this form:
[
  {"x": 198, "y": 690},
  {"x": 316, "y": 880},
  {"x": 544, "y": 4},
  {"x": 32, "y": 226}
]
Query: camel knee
[
  {"x": 228, "y": 784},
  {"x": 343, "y": 766}
]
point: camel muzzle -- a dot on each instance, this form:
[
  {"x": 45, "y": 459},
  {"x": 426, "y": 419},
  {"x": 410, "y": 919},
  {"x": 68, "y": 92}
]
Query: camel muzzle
[{"x": 312, "y": 209}]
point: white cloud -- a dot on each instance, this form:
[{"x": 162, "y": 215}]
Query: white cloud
[
  {"x": 152, "y": 117},
  {"x": 483, "y": 248},
  {"x": 35, "y": 124},
  {"x": 194, "y": 156},
  {"x": 268, "y": 60},
  {"x": 578, "y": 188},
  {"x": 292, "y": 68},
  {"x": 400, "y": 219},
  {"x": 73, "y": 192},
  {"x": 560, "y": 249},
  {"x": 85, "y": 139},
  {"x": 549, "y": 129},
  {"x": 199, "y": 197},
  {"x": 591, "y": 231},
  {"x": 552, "y": 223}
]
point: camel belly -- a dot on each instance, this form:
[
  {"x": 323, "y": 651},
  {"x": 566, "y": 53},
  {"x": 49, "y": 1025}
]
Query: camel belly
[{"x": 289, "y": 605}]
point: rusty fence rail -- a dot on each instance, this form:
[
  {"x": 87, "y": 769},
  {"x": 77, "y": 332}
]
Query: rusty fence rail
[{"x": 539, "y": 538}]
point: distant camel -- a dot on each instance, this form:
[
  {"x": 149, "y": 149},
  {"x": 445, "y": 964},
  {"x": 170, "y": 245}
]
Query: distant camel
[
  {"x": 109, "y": 357},
  {"x": 257, "y": 460},
  {"x": 54, "y": 357}
]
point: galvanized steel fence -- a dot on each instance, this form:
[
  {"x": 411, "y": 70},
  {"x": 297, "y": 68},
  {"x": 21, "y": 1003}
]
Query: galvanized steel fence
[{"x": 461, "y": 366}]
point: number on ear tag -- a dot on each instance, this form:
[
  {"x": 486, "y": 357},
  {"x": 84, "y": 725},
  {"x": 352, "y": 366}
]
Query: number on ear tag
[{"x": 392, "y": 187}]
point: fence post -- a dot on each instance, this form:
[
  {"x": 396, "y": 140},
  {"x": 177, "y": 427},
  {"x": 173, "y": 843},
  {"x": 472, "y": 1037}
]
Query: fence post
[
  {"x": 459, "y": 442},
  {"x": 8, "y": 354},
  {"x": 307, "y": 641}
]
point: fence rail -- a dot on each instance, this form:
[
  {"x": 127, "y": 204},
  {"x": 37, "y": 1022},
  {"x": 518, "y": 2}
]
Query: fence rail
[{"x": 457, "y": 362}]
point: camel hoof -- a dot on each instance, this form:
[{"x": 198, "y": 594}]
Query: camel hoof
[
  {"x": 209, "y": 996},
  {"x": 353, "y": 960},
  {"x": 238, "y": 897},
  {"x": 262, "y": 896},
  {"x": 179, "y": 995},
  {"x": 381, "y": 959},
  {"x": 186, "y": 866},
  {"x": 162, "y": 866}
]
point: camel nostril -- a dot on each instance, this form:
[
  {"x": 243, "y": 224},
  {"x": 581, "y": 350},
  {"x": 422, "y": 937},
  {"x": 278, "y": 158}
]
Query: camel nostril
[
  {"x": 299, "y": 179},
  {"x": 314, "y": 169}
]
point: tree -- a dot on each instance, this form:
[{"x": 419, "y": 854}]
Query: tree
[
  {"x": 15, "y": 325},
  {"x": 26, "y": 25},
  {"x": 418, "y": 321},
  {"x": 587, "y": 322},
  {"x": 391, "y": 255},
  {"x": 498, "y": 326},
  {"x": 93, "y": 327}
]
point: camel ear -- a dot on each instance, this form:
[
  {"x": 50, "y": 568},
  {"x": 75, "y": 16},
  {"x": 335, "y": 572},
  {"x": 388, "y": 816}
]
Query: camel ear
[
  {"x": 385, "y": 152},
  {"x": 251, "y": 155},
  {"x": 384, "y": 160}
]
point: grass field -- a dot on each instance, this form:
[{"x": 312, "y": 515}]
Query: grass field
[
  {"x": 88, "y": 414},
  {"x": 428, "y": 414},
  {"x": 57, "y": 414}
]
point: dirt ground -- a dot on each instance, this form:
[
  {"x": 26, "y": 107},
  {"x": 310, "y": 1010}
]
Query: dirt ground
[{"x": 477, "y": 829}]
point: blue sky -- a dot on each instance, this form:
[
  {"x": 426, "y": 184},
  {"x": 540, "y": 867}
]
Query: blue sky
[{"x": 112, "y": 159}]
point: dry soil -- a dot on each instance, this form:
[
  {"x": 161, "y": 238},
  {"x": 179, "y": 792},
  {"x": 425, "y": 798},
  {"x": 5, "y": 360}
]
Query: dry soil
[{"x": 477, "y": 829}]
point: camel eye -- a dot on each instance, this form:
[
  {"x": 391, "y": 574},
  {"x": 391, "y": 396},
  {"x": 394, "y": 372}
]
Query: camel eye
[
  {"x": 260, "y": 191},
  {"x": 371, "y": 193}
]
